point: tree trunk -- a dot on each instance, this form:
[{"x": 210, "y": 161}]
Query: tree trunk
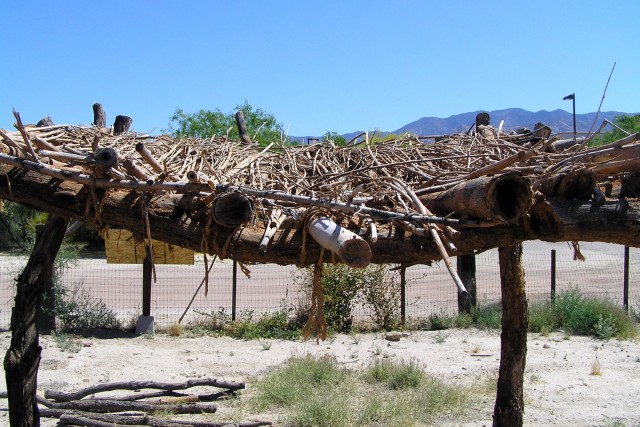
[
  {"x": 509, "y": 406},
  {"x": 23, "y": 356}
]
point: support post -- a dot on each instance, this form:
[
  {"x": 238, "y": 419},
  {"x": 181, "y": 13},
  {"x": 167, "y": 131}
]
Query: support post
[
  {"x": 23, "y": 356},
  {"x": 553, "y": 276},
  {"x": 234, "y": 290},
  {"x": 403, "y": 295},
  {"x": 509, "y": 406},
  {"x": 625, "y": 284},
  {"x": 145, "y": 324},
  {"x": 466, "y": 266}
]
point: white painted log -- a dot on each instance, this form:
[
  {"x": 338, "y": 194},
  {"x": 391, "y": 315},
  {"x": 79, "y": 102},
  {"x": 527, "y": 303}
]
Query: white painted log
[{"x": 352, "y": 249}]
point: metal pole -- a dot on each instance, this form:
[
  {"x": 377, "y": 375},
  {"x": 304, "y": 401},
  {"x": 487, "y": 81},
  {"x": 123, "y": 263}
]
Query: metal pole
[
  {"x": 234, "y": 290},
  {"x": 625, "y": 282},
  {"x": 553, "y": 275},
  {"x": 403, "y": 294},
  {"x": 574, "y": 119}
]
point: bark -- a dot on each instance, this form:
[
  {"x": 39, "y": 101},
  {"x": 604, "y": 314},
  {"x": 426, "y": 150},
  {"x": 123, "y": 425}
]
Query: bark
[
  {"x": 509, "y": 406},
  {"x": 122, "y": 124},
  {"x": 23, "y": 356},
  {"x": 99, "y": 116},
  {"x": 505, "y": 197},
  {"x": 138, "y": 385},
  {"x": 176, "y": 219},
  {"x": 577, "y": 184},
  {"x": 242, "y": 128}
]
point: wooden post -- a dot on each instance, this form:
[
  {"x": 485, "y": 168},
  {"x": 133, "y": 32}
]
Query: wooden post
[
  {"x": 625, "y": 284},
  {"x": 147, "y": 269},
  {"x": 23, "y": 356},
  {"x": 122, "y": 124},
  {"x": 509, "y": 406},
  {"x": 234, "y": 290},
  {"x": 466, "y": 266},
  {"x": 553, "y": 276},
  {"x": 403, "y": 294},
  {"x": 99, "y": 116},
  {"x": 242, "y": 128}
]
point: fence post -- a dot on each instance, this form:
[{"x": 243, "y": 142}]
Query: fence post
[
  {"x": 553, "y": 276},
  {"x": 234, "y": 290},
  {"x": 147, "y": 270},
  {"x": 625, "y": 282},
  {"x": 403, "y": 294},
  {"x": 466, "y": 266}
]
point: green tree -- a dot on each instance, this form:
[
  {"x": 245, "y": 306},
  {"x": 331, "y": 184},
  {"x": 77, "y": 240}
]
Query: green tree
[
  {"x": 630, "y": 124},
  {"x": 334, "y": 137},
  {"x": 262, "y": 126}
]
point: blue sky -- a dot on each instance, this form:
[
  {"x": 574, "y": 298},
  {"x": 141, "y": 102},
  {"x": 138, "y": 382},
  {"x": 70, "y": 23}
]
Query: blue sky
[{"x": 317, "y": 66}]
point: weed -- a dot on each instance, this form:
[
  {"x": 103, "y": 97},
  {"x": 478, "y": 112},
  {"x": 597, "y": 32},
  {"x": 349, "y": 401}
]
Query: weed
[
  {"x": 78, "y": 310},
  {"x": 440, "y": 337},
  {"x": 175, "y": 330},
  {"x": 605, "y": 328},
  {"x": 439, "y": 322},
  {"x": 377, "y": 350},
  {"x": 596, "y": 369},
  {"x": 66, "y": 343},
  {"x": 355, "y": 338},
  {"x": 396, "y": 376},
  {"x": 487, "y": 316},
  {"x": 265, "y": 344}
]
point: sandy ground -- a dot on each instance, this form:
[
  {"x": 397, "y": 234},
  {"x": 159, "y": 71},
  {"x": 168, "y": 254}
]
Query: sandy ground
[{"x": 559, "y": 387}]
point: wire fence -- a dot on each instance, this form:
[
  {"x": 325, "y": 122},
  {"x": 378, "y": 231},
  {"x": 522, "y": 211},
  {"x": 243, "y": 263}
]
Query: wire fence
[{"x": 429, "y": 289}]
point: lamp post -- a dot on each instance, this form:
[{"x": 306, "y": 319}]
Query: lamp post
[{"x": 572, "y": 97}]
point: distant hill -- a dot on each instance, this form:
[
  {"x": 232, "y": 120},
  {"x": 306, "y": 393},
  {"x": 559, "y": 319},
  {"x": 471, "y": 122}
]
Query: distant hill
[{"x": 558, "y": 120}]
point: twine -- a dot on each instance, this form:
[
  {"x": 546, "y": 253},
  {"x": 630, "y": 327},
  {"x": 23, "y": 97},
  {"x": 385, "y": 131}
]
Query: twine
[{"x": 316, "y": 324}]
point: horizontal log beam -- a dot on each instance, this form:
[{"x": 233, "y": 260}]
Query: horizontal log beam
[{"x": 172, "y": 220}]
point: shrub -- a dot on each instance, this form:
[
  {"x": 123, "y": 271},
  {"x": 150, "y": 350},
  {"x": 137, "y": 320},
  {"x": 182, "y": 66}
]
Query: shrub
[
  {"x": 488, "y": 316},
  {"x": 79, "y": 311},
  {"x": 344, "y": 287}
]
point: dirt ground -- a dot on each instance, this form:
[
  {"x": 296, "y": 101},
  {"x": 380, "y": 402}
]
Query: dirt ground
[{"x": 560, "y": 389}]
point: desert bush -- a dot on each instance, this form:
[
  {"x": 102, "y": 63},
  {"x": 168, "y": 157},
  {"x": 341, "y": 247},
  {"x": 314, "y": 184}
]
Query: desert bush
[
  {"x": 79, "y": 311},
  {"x": 344, "y": 287},
  {"x": 487, "y": 316}
]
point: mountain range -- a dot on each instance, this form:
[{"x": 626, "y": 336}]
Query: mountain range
[{"x": 559, "y": 121}]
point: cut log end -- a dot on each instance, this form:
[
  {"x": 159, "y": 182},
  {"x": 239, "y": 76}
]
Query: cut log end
[
  {"x": 509, "y": 197},
  {"x": 355, "y": 253},
  {"x": 232, "y": 209}
]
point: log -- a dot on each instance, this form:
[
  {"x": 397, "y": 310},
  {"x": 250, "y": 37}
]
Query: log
[
  {"x": 47, "y": 121},
  {"x": 242, "y": 128},
  {"x": 99, "y": 116},
  {"x": 577, "y": 184},
  {"x": 509, "y": 406},
  {"x": 23, "y": 356},
  {"x": 122, "y": 124},
  {"x": 352, "y": 249},
  {"x": 138, "y": 385},
  {"x": 113, "y": 405},
  {"x": 505, "y": 198},
  {"x": 630, "y": 185},
  {"x": 232, "y": 209}
]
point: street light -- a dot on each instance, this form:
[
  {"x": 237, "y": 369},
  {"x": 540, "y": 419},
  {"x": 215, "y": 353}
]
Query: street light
[{"x": 572, "y": 97}]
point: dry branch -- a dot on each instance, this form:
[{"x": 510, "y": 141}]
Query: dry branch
[{"x": 137, "y": 385}]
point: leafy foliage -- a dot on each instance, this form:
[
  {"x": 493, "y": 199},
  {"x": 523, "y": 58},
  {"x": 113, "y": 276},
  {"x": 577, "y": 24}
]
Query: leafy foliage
[
  {"x": 79, "y": 311},
  {"x": 630, "y": 124},
  {"x": 262, "y": 126},
  {"x": 334, "y": 137}
]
